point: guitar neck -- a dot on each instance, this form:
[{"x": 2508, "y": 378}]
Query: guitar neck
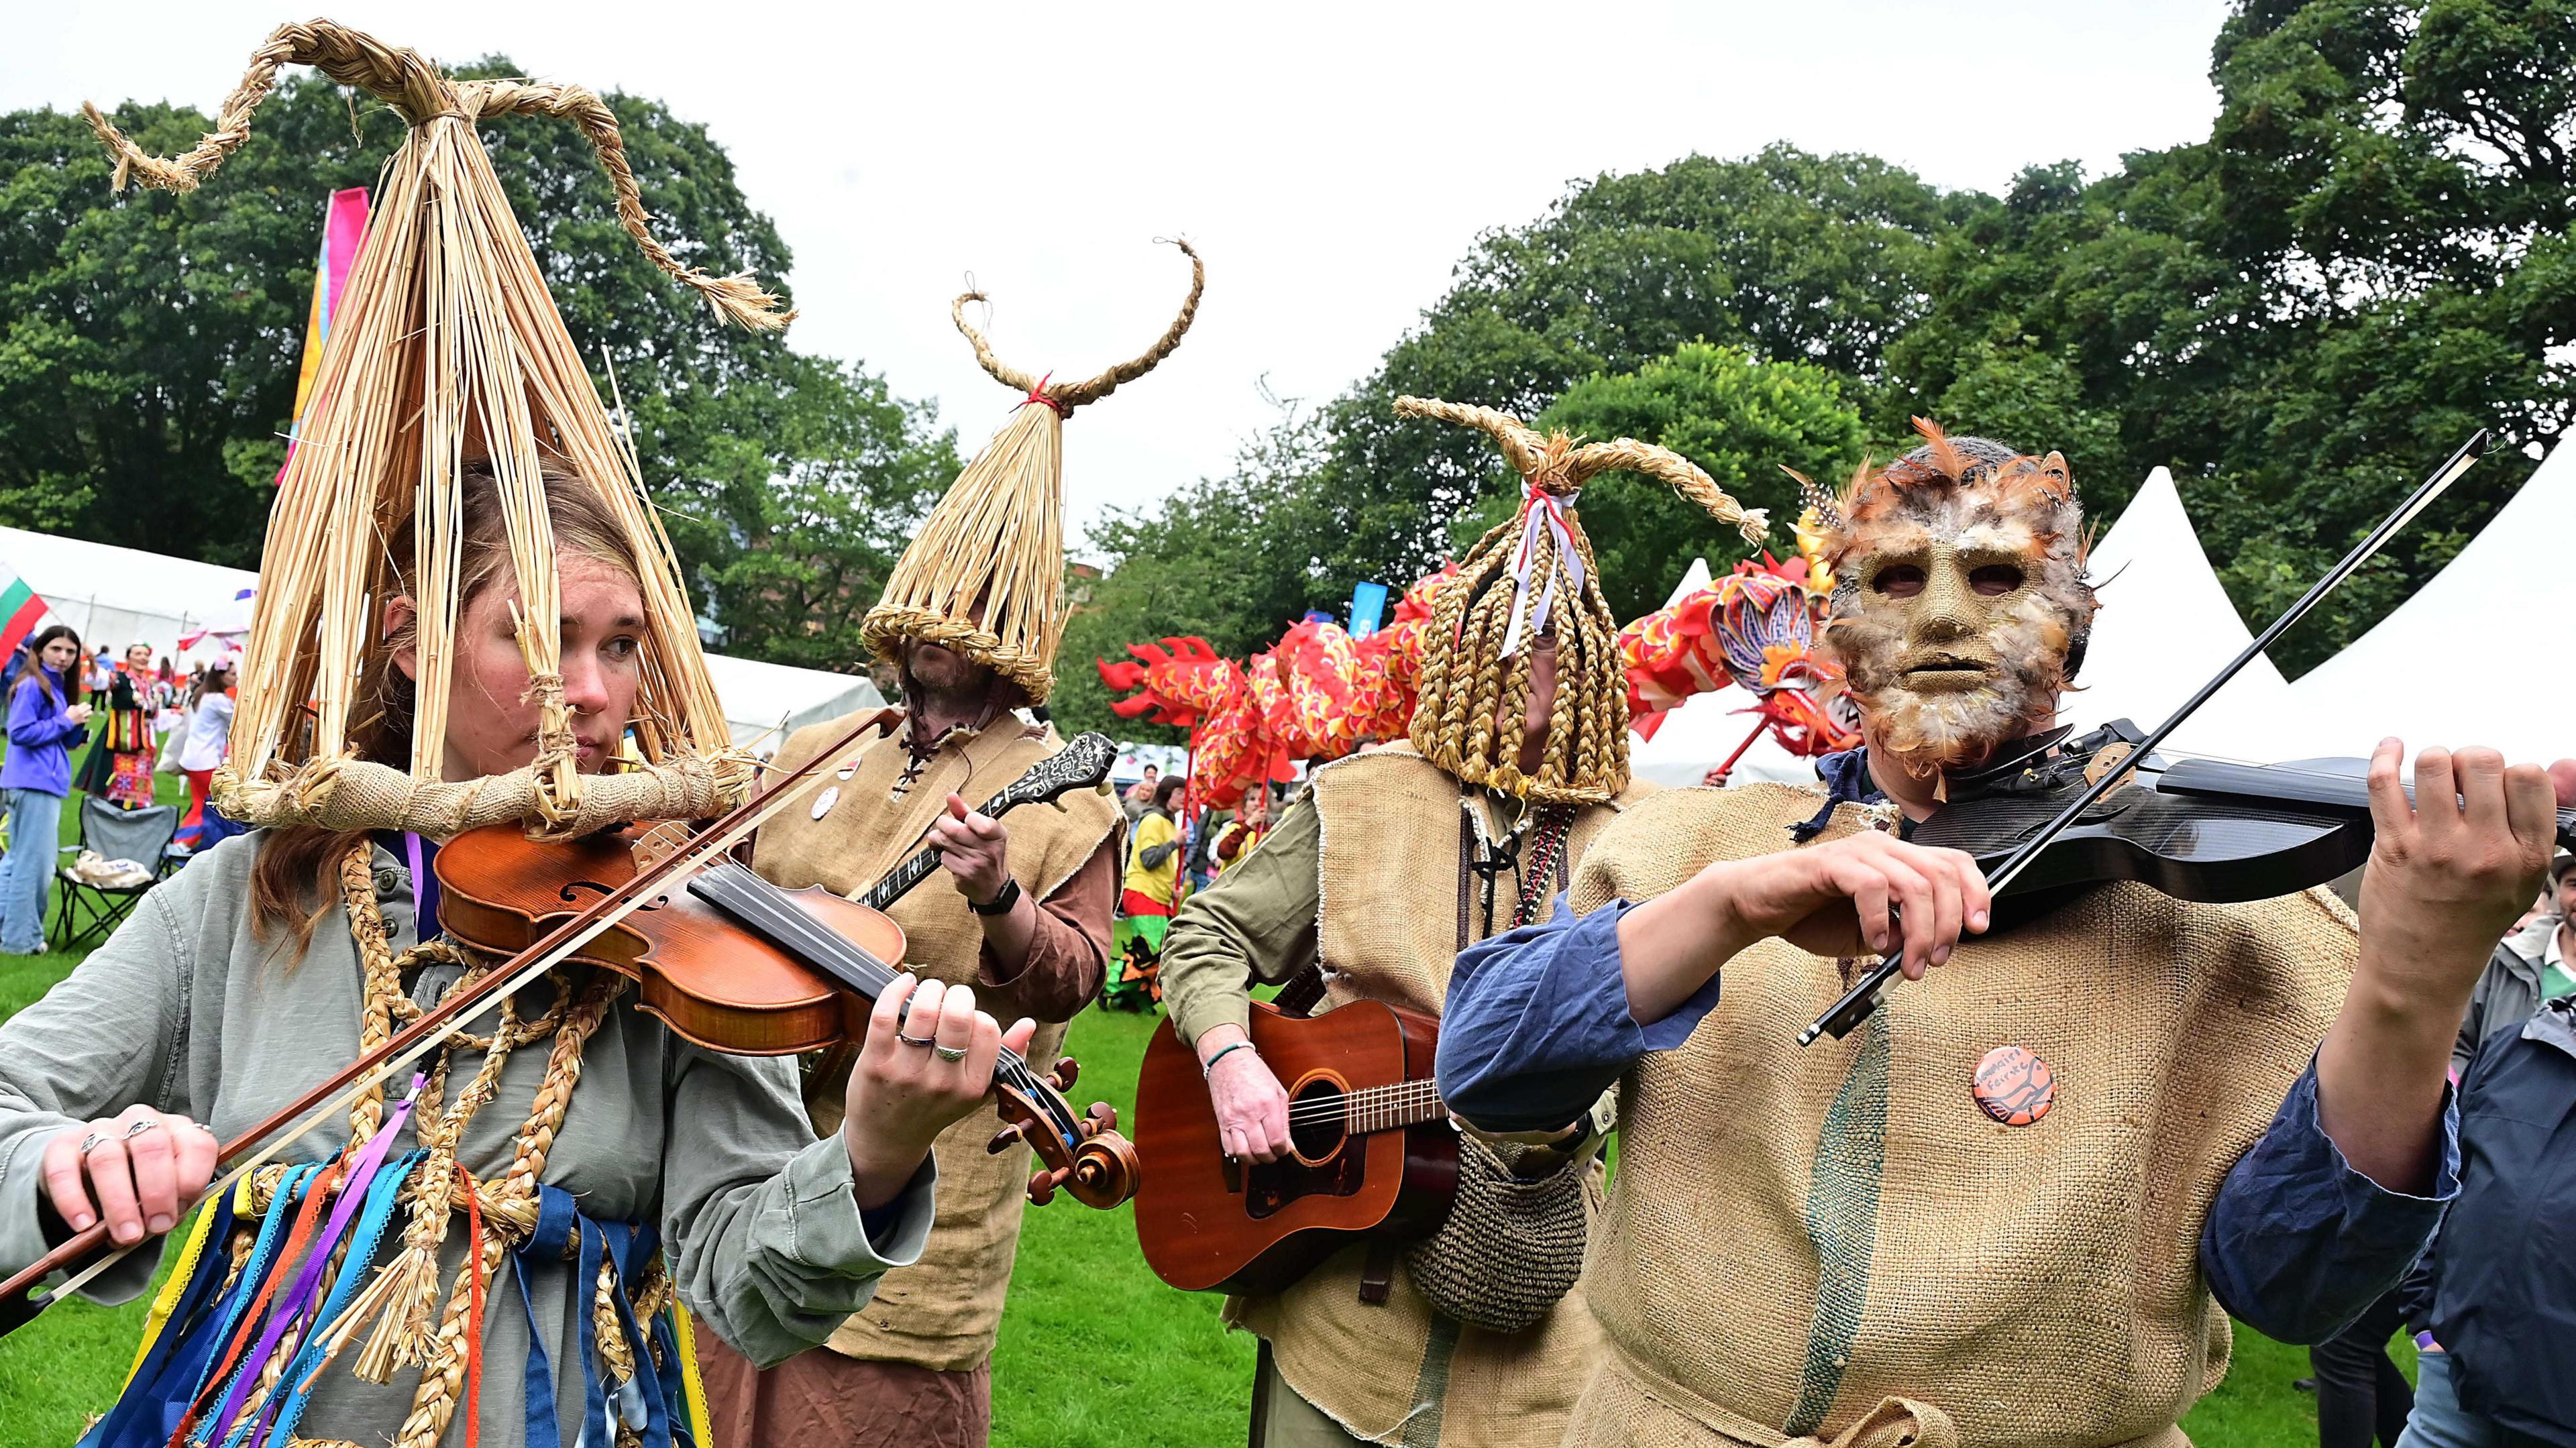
[
  {"x": 900, "y": 880},
  {"x": 1387, "y": 1108}
]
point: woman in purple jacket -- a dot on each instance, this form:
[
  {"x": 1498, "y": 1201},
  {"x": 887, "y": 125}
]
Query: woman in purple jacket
[{"x": 43, "y": 724}]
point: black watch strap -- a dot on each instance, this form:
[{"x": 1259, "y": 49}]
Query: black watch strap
[{"x": 1000, "y": 904}]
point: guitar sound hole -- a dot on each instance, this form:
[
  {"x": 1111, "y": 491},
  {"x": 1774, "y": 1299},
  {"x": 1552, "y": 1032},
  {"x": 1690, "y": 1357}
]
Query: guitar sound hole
[{"x": 1315, "y": 1121}]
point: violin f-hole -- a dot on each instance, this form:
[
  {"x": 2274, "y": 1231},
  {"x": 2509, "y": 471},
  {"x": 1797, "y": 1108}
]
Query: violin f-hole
[{"x": 566, "y": 894}]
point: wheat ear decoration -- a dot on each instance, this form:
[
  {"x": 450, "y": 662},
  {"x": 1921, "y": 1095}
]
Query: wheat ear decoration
[
  {"x": 1066, "y": 396},
  {"x": 414, "y": 85}
]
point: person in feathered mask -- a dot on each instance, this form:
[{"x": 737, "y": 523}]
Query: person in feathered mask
[{"x": 1960, "y": 608}]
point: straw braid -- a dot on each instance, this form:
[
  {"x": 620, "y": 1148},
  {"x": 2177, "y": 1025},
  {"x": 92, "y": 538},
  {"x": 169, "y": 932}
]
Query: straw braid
[
  {"x": 1066, "y": 396},
  {"x": 1462, "y": 685},
  {"x": 416, "y": 87},
  {"x": 434, "y": 1402}
]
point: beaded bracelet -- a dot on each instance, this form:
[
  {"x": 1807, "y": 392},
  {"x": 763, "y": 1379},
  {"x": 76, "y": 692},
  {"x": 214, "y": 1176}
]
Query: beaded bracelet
[{"x": 1208, "y": 1067}]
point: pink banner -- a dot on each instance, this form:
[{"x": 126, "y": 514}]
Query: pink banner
[{"x": 344, "y": 228}]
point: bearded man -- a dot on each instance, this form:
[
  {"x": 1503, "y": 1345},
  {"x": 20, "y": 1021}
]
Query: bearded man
[
  {"x": 2009, "y": 1208},
  {"x": 1394, "y": 861},
  {"x": 972, "y": 614}
]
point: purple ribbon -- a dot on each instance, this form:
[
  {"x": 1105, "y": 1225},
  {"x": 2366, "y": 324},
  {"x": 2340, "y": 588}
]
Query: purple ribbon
[{"x": 353, "y": 1194}]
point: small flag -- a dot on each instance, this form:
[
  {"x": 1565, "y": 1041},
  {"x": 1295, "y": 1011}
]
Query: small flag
[
  {"x": 1368, "y": 608},
  {"x": 20, "y": 612}
]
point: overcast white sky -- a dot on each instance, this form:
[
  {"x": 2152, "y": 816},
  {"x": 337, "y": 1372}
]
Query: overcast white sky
[{"x": 1332, "y": 160}]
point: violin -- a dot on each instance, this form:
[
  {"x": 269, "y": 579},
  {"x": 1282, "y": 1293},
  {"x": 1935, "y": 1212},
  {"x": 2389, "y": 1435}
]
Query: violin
[
  {"x": 2042, "y": 819},
  {"x": 737, "y": 964},
  {"x": 2204, "y": 830}
]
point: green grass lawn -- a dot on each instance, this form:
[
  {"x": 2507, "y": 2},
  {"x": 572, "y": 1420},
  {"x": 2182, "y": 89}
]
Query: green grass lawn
[{"x": 1094, "y": 1353}]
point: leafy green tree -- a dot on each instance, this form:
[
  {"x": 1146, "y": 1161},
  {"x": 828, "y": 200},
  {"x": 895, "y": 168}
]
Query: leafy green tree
[
  {"x": 149, "y": 345},
  {"x": 1793, "y": 256},
  {"x": 1234, "y": 559},
  {"x": 1740, "y": 419}
]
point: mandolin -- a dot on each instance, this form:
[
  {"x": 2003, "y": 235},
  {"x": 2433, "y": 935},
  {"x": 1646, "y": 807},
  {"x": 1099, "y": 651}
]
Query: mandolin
[{"x": 1365, "y": 1158}]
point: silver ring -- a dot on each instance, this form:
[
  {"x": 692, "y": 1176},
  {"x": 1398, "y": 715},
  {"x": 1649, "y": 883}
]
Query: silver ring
[
  {"x": 140, "y": 1127},
  {"x": 916, "y": 1040},
  {"x": 951, "y": 1053},
  {"x": 92, "y": 1142}
]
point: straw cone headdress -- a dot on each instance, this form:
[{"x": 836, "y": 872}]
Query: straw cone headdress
[
  {"x": 995, "y": 544},
  {"x": 1529, "y": 576},
  {"x": 447, "y": 351}
]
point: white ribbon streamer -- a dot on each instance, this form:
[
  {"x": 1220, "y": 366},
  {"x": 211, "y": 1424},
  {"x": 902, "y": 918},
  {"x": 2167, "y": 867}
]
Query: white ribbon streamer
[{"x": 1540, "y": 509}]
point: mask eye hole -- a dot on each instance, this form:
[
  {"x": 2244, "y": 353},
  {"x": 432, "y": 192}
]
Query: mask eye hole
[
  {"x": 1994, "y": 580},
  {"x": 1897, "y": 580}
]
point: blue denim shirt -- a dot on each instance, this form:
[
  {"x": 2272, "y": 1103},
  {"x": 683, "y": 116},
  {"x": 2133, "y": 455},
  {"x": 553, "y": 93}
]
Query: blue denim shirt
[
  {"x": 2297, "y": 1243},
  {"x": 39, "y": 736}
]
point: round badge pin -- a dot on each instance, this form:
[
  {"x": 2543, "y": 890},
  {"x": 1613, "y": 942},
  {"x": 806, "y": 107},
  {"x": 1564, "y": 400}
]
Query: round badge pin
[
  {"x": 823, "y": 802},
  {"x": 2014, "y": 1086}
]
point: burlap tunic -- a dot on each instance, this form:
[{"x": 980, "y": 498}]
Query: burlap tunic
[
  {"x": 1392, "y": 912},
  {"x": 1796, "y": 1239},
  {"x": 944, "y": 1311}
]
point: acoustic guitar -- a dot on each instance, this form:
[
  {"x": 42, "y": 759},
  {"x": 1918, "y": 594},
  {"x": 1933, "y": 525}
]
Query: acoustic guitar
[{"x": 1372, "y": 1151}]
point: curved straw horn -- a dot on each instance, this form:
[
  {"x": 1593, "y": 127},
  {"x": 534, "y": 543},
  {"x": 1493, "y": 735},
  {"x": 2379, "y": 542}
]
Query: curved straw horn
[
  {"x": 1066, "y": 396},
  {"x": 1521, "y": 443},
  {"x": 1685, "y": 476},
  {"x": 417, "y": 88}
]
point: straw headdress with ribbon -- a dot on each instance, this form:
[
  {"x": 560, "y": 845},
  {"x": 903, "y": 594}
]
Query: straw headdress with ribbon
[
  {"x": 448, "y": 352},
  {"x": 985, "y": 575},
  {"x": 1535, "y": 575}
]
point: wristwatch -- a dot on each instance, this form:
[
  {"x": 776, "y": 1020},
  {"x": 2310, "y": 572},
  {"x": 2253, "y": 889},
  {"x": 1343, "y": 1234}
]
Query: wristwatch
[{"x": 1000, "y": 904}]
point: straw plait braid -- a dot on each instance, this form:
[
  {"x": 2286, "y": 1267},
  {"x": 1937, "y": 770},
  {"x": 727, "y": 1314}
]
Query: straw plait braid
[
  {"x": 414, "y": 85},
  {"x": 1066, "y": 396}
]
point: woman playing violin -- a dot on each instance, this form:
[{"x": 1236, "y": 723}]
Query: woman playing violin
[{"x": 248, "y": 976}]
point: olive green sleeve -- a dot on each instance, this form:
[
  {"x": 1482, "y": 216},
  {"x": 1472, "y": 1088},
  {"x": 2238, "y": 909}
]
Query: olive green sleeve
[{"x": 1256, "y": 922}]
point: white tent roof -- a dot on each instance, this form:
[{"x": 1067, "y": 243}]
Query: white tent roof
[
  {"x": 2164, "y": 629},
  {"x": 114, "y": 596},
  {"x": 1704, "y": 729},
  {"x": 2474, "y": 657},
  {"x": 768, "y": 702}
]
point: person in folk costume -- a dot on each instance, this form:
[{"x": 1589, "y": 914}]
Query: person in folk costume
[
  {"x": 1393, "y": 861},
  {"x": 2185, "y": 1108},
  {"x": 481, "y": 652},
  {"x": 971, "y": 617},
  {"x": 119, "y": 767}
]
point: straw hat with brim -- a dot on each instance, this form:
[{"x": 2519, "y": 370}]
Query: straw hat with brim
[
  {"x": 446, "y": 349},
  {"x": 985, "y": 575}
]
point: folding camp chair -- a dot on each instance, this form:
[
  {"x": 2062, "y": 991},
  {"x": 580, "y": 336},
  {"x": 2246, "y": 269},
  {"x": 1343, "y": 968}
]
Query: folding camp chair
[{"x": 85, "y": 912}]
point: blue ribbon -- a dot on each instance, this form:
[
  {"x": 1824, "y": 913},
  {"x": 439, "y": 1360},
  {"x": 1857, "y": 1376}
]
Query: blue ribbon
[
  {"x": 163, "y": 1385},
  {"x": 293, "y": 1393}
]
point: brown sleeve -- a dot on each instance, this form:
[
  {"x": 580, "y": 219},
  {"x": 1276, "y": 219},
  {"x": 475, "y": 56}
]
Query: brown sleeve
[{"x": 1068, "y": 951}]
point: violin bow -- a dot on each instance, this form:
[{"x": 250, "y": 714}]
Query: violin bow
[
  {"x": 333, "y": 1096},
  {"x": 1855, "y": 1006}
]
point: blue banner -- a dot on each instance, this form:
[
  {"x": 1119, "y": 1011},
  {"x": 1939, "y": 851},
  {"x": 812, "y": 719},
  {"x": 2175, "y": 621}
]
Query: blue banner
[{"x": 1368, "y": 608}]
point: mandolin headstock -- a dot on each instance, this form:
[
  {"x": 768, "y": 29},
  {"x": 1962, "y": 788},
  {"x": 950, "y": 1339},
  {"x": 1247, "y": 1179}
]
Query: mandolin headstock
[
  {"x": 1083, "y": 1155},
  {"x": 1083, "y": 763}
]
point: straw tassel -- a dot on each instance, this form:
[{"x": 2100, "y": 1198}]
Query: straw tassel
[{"x": 985, "y": 574}]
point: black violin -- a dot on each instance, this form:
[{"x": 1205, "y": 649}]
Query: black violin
[
  {"x": 2195, "y": 829},
  {"x": 2049, "y": 816}
]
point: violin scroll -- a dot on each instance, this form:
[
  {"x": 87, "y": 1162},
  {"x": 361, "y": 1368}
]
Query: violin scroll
[{"x": 1083, "y": 1155}]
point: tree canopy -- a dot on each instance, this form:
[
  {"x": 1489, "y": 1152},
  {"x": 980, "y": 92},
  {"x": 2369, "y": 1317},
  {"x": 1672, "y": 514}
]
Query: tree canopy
[{"x": 149, "y": 345}]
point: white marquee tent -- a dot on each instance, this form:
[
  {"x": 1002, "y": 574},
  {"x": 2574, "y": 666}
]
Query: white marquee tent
[
  {"x": 115, "y": 596},
  {"x": 1698, "y": 736},
  {"x": 2475, "y": 656},
  {"x": 2165, "y": 628}
]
